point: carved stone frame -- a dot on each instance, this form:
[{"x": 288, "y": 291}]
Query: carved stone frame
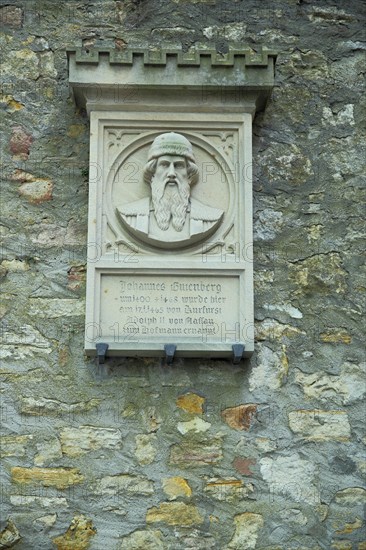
[{"x": 220, "y": 129}]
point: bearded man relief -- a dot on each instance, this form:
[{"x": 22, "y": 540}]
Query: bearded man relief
[{"x": 170, "y": 217}]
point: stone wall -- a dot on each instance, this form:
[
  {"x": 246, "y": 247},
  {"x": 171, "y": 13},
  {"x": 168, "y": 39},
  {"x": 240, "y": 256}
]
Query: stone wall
[{"x": 203, "y": 454}]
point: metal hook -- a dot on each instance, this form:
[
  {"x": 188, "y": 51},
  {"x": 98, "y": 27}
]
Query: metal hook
[
  {"x": 238, "y": 350},
  {"x": 101, "y": 352},
  {"x": 169, "y": 353}
]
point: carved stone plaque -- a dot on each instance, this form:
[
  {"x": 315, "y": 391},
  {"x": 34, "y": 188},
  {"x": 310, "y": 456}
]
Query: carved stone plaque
[{"x": 170, "y": 210}]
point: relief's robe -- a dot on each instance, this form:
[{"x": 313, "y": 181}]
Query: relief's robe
[{"x": 139, "y": 219}]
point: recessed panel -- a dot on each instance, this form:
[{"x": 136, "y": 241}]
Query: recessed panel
[{"x": 169, "y": 308}]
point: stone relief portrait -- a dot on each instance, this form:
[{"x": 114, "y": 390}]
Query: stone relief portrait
[{"x": 169, "y": 217}]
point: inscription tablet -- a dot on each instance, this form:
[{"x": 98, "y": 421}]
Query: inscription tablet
[{"x": 190, "y": 308}]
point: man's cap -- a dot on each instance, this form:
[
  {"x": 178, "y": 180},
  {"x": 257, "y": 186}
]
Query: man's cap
[{"x": 171, "y": 143}]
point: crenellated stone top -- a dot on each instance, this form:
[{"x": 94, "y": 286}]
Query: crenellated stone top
[
  {"x": 196, "y": 57},
  {"x": 97, "y": 76}
]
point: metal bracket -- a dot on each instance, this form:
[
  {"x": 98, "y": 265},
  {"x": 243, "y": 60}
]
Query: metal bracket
[
  {"x": 238, "y": 350},
  {"x": 169, "y": 353},
  {"x": 101, "y": 352}
]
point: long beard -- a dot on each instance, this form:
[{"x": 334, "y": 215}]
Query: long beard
[{"x": 170, "y": 203}]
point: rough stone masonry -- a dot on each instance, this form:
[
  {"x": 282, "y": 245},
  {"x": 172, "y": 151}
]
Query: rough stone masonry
[{"x": 268, "y": 454}]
